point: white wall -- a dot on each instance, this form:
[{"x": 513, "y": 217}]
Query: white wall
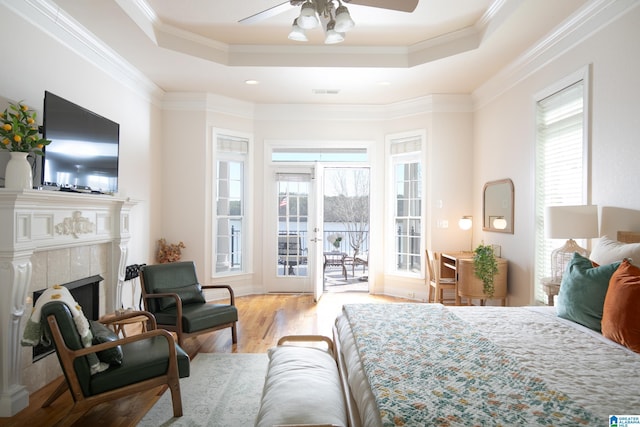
[
  {"x": 187, "y": 189},
  {"x": 38, "y": 62},
  {"x": 35, "y": 61},
  {"x": 504, "y": 138}
]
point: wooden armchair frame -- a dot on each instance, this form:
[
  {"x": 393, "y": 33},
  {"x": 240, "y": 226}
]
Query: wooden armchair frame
[
  {"x": 178, "y": 328},
  {"x": 81, "y": 402}
]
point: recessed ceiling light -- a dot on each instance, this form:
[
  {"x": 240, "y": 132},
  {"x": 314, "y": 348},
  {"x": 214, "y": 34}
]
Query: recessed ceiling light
[
  {"x": 326, "y": 91},
  {"x": 252, "y": 82}
]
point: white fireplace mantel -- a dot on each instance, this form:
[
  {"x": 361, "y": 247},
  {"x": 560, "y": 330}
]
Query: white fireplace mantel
[{"x": 32, "y": 221}]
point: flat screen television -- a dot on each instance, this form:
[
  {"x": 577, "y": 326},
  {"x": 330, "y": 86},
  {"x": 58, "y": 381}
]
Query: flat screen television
[{"x": 83, "y": 154}]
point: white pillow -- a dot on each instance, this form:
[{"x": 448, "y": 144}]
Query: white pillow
[
  {"x": 302, "y": 387},
  {"x": 608, "y": 250}
]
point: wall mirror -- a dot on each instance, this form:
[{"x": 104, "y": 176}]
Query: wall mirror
[{"x": 497, "y": 206}]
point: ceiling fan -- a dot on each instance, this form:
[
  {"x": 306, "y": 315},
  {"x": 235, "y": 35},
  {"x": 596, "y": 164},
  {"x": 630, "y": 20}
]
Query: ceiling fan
[{"x": 398, "y": 5}]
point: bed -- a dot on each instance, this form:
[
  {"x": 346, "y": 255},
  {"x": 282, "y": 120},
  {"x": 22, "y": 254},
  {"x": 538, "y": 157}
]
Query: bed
[{"x": 427, "y": 364}]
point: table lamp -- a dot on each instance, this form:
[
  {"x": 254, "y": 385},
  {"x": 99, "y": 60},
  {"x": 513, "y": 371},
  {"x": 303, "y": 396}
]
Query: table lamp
[{"x": 569, "y": 222}]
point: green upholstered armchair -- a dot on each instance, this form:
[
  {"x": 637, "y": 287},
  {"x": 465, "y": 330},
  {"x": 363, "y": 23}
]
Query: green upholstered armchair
[
  {"x": 173, "y": 294},
  {"x": 144, "y": 361}
]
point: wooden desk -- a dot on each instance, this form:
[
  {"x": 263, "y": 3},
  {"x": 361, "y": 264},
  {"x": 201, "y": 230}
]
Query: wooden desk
[
  {"x": 449, "y": 267},
  {"x": 460, "y": 266}
]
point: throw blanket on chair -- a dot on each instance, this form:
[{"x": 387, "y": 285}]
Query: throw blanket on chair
[{"x": 35, "y": 333}]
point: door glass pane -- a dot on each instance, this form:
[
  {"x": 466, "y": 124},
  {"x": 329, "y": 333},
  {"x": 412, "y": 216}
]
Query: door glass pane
[{"x": 293, "y": 202}]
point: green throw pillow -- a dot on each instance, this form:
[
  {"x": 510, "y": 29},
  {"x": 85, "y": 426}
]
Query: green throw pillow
[
  {"x": 102, "y": 334},
  {"x": 188, "y": 294},
  {"x": 582, "y": 291}
]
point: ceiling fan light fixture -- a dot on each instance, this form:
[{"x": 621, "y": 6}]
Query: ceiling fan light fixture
[
  {"x": 297, "y": 33},
  {"x": 332, "y": 36},
  {"x": 343, "y": 20},
  {"x": 308, "y": 18}
]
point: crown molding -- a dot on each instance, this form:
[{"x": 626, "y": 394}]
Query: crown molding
[
  {"x": 591, "y": 18},
  {"x": 455, "y": 42},
  {"x": 51, "y": 19},
  {"x": 440, "y": 103},
  {"x": 47, "y": 16},
  {"x": 212, "y": 103}
]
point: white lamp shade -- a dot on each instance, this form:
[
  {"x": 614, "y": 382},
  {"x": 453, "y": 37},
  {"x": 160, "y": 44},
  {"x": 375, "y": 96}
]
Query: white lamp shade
[
  {"x": 465, "y": 223},
  {"x": 332, "y": 35},
  {"x": 297, "y": 33},
  {"x": 500, "y": 223},
  {"x": 308, "y": 18},
  {"x": 571, "y": 222},
  {"x": 343, "y": 20}
]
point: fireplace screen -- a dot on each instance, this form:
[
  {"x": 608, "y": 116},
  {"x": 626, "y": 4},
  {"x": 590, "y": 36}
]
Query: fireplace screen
[{"x": 87, "y": 293}]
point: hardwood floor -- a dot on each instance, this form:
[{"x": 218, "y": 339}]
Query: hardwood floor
[{"x": 263, "y": 320}]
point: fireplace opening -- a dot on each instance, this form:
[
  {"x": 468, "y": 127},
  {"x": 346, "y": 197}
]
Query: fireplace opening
[{"x": 86, "y": 292}]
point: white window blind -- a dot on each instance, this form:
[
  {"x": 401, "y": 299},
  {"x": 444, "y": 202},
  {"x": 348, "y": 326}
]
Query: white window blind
[
  {"x": 412, "y": 144},
  {"x": 560, "y": 165},
  {"x": 231, "y": 144}
]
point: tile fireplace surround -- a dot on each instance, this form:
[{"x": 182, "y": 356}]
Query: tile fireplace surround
[{"x": 50, "y": 237}]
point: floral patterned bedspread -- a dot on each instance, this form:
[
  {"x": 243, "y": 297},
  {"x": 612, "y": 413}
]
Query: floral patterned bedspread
[{"x": 426, "y": 366}]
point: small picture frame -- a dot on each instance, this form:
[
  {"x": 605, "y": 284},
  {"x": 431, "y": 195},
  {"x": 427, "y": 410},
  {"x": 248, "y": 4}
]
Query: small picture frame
[{"x": 497, "y": 250}]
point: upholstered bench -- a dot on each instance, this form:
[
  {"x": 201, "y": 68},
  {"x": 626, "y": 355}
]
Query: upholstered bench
[{"x": 302, "y": 385}]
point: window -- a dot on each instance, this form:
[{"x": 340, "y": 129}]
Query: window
[
  {"x": 561, "y": 164},
  {"x": 230, "y": 227},
  {"x": 407, "y": 223},
  {"x": 293, "y": 215}
]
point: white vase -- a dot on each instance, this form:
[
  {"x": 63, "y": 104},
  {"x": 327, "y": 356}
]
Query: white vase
[{"x": 18, "y": 175}]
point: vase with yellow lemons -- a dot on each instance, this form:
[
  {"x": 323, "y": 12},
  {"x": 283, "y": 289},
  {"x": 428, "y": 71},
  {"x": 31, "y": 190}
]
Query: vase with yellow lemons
[{"x": 20, "y": 135}]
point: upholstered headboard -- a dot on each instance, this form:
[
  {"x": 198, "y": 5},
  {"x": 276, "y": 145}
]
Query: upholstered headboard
[{"x": 629, "y": 236}]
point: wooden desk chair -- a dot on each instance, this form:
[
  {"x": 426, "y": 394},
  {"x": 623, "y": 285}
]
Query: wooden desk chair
[{"x": 436, "y": 283}]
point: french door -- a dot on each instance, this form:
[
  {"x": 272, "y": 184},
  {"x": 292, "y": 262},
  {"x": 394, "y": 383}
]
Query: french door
[
  {"x": 307, "y": 234},
  {"x": 293, "y": 231}
]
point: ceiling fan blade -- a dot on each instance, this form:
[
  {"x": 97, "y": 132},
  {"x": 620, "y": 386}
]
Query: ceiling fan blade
[
  {"x": 399, "y": 5},
  {"x": 268, "y": 13}
]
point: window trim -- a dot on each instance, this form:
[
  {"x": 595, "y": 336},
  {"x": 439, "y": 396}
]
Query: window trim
[
  {"x": 583, "y": 74},
  {"x": 247, "y": 203},
  {"x": 412, "y": 155}
]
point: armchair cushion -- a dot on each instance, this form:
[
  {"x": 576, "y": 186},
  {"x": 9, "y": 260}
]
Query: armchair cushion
[
  {"x": 189, "y": 294},
  {"x": 196, "y": 317},
  {"x": 102, "y": 334},
  {"x": 141, "y": 360},
  {"x": 166, "y": 278}
]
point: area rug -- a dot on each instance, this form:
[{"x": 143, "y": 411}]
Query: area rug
[{"x": 223, "y": 390}]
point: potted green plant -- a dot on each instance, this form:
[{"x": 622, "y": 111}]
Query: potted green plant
[
  {"x": 486, "y": 267},
  {"x": 19, "y": 134}
]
